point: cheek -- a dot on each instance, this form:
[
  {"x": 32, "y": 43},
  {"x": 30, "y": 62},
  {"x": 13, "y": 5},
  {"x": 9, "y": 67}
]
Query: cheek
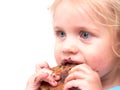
[
  {"x": 100, "y": 63},
  {"x": 57, "y": 54}
]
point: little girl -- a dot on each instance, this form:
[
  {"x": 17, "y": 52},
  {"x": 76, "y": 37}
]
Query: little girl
[{"x": 87, "y": 32}]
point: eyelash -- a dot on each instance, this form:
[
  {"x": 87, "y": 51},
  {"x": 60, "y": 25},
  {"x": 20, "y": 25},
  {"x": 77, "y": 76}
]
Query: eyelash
[
  {"x": 85, "y": 35},
  {"x": 60, "y": 34}
]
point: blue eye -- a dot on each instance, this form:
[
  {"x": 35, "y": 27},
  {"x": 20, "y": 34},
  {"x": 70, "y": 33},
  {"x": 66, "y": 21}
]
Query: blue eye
[
  {"x": 84, "y": 35},
  {"x": 61, "y": 34}
]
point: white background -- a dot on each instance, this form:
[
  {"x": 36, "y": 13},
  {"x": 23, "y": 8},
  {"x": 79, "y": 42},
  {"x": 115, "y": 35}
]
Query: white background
[{"x": 26, "y": 38}]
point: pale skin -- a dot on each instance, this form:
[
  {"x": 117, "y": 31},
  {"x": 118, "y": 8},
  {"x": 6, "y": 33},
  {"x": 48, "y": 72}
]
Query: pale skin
[{"x": 80, "y": 40}]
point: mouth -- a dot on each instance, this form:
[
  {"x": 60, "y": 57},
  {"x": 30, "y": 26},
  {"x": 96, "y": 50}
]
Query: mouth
[
  {"x": 70, "y": 61},
  {"x": 66, "y": 63}
]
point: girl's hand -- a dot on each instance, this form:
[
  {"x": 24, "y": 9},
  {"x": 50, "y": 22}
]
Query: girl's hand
[
  {"x": 43, "y": 73},
  {"x": 84, "y": 78}
]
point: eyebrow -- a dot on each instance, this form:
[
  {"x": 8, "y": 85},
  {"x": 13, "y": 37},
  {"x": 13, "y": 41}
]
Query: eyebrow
[
  {"x": 87, "y": 28},
  {"x": 58, "y": 28}
]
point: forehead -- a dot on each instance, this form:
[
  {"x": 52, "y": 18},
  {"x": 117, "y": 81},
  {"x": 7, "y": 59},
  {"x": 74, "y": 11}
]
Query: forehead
[
  {"x": 76, "y": 6},
  {"x": 68, "y": 11},
  {"x": 98, "y": 7}
]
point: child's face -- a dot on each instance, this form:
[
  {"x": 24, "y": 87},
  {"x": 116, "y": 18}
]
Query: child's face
[{"x": 81, "y": 40}]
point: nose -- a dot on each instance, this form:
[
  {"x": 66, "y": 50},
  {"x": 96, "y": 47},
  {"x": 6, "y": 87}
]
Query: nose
[{"x": 70, "y": 47}]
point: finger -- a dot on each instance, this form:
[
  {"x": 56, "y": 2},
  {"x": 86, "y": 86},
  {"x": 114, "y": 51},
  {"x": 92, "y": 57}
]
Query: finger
[
  {"x": 52, "y": 82},
  {"x": 35, "y": 80},
  {"x": 39, "y": 77},
  {"x": 82, "y": 72},
  {"x": 74, "y": 83},
  {"x": 74, "y": 76},
  {"x": 52, "y": 79},
  {"x": 82, "y": 67},
  {"x": 83, "y": 85},
  {"x": 42, "y": 65}
]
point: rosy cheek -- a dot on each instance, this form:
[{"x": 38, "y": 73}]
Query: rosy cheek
[{"x": 96, "y": 63}]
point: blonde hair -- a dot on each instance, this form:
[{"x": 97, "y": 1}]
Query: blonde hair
[{"x": 107, "y": 10}]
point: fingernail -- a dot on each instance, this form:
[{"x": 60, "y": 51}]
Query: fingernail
[{"x": 54, "y": 83}]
